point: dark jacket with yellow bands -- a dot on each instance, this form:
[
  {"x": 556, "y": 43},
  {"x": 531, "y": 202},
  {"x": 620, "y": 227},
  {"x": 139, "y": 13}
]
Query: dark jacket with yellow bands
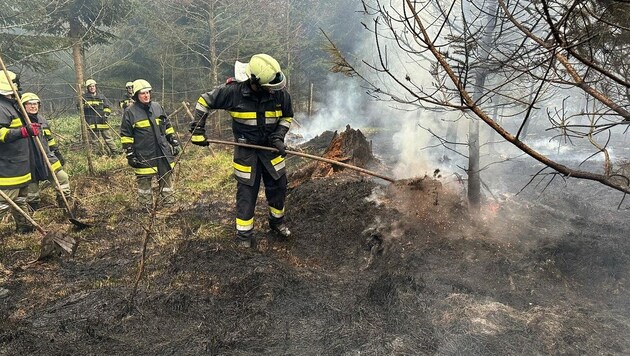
[
  {"x": 96, "y": 109},
  {"x": 50, "y": 139},
  {"x": 126, "y": 100},
  {"x": 15, "y": 170},
  {"x": 258, "y": 117},
  {"x": 146, "y": 131},
  {"x": 39, "y": 168}
]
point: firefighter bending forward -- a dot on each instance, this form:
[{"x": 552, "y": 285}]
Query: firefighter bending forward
[{"x": 261, "y": 113}]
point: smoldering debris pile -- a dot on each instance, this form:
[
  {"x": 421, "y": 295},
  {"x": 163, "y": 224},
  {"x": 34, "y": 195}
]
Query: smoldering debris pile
[{"x": 350, "y": 147}]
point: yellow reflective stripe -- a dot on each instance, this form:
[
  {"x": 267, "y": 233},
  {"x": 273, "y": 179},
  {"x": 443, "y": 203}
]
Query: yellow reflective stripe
[
  {"x": 149, "y": 170},
  {"x": 277, "y": 160},
  {"x": 15, "y": 123},
  {"x": 107, "y": 110},
  {"x": 197, "y": 138},
  {"x": 169, "y": 131},
  {"x": 99, "y": 126},
  {"x": 243, "y": 115},
  {"x": 142, "y": 123},
  {"x": 93, "y": 102},
  {"x": 12, "y": 181},
  {"x": 241, "y": 168},
  {"x": 145, "y": 171},
  {"x": 126, "y": 139},
  {"x": 52, "y": 142},
  {"x": 3, "y": 133},
  {"x": 47, "y": 132},
  {"x": 202, "y": 101},
  {"x": 244, "y": 225},
  {"x": 241, "y": 171},
  {"x": 277, "y": 113},
  {"x": 158, "y": 120},
  {"x": 56, "y": 165},
  {"x": 276, "y": 213}
]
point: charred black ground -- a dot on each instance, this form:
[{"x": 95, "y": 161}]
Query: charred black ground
[{"x": 373, "y": 268}]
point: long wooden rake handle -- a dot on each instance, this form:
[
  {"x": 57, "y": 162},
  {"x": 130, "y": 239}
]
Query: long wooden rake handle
[
  {"x": 21, "y": 211},
  {"x": 306, "y": 155}
]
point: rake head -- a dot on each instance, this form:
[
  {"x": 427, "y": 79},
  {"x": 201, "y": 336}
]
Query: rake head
[{"x": 55, "y": 244}]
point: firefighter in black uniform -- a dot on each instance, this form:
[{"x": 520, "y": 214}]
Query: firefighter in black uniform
[
  {"x": 261, "y": 113},
  {"x": 150, "y": 144},
  {"x": 15, "y": 154},
  {"x": 127, "y": 98},
  {"x": 97, "y": 110},
  {"x": 32, "y": 105}
]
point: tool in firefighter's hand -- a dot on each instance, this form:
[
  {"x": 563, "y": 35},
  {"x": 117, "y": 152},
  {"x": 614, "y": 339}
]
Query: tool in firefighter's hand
[
  {"x": 279, "y": 145},
  {"x": 197, "y": 130},
  {"x": 52, "y": 243},
  {"x": 78, "y": 224},
  {"x": 306, "y": 155}
]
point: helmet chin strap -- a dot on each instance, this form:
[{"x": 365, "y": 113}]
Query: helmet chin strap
[{"x": 254, "y": 83}]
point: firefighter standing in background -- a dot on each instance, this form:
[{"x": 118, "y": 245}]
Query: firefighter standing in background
[
  {"x": 97, "y": 109},
  {"x": 150, "y": 144},
  {"x": 15, "y": 154},
  {"x": 261, "y": 113},
  {"x": 32, "y": 105},
  {"x": 127, "y": 98}
]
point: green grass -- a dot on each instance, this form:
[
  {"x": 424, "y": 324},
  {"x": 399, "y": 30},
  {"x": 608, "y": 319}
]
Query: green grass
[{"x": 111, "y": 190}]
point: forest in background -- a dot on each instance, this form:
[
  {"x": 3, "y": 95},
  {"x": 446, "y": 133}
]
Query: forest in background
[{"x": 182, "y": 48}]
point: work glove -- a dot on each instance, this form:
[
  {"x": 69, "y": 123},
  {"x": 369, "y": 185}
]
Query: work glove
[
  {"x": 59, "y": 157},
  {"x": 30, "y": 130},
  {"x": 199, "y": 137},
  {"x": 279, "y": 145},
  {"x": 132, "y": 160},
  {"x": 176, "y": 147}
]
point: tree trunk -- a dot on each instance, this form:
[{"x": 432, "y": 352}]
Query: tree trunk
[
  {"x": 77, "y": 57},
  {"x": 214, "y": 61},
  {"x": 474, "y": 176}
]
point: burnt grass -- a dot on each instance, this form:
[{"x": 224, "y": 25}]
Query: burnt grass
[{"x": 372, "y": 268}]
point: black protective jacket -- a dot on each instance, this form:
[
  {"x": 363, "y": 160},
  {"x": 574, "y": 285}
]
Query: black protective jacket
[
  {"x": 146, "y": 133},
  {"x": 257, "y": 118},
  {"x": 96, "y": 109},
  {"x": 126, "y": 100},
  {"x": 15, "y": 170},
  {"x": 39, "y": 168}
]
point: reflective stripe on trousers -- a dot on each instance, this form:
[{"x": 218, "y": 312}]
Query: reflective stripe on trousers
[{"x": 246, "y": 196}]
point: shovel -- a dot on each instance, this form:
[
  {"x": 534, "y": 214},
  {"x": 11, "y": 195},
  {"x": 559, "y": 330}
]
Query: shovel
[
  {"x": 78, "y": 224},
  {"x": 51, "y": 242}
]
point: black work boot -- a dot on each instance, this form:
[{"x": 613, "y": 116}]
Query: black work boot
[
  {"x": 24, "y": 229},
  {"x": 34, "y": 205},
  {"x": 280, "y": 229},
  {"x": 245, "y": 239}
]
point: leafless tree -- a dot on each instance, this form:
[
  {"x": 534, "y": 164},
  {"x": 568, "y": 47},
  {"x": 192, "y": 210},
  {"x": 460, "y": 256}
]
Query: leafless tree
[{"x": 506, "y": 64}]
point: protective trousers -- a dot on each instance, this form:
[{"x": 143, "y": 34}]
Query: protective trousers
[
  {"x": 145, "y": 190},
  {"x": 18, "y": 196},
  {"x": 246, "y": 196},
  {"x": 107, "y": 137},
  {"x": 33, "y": 198}
]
